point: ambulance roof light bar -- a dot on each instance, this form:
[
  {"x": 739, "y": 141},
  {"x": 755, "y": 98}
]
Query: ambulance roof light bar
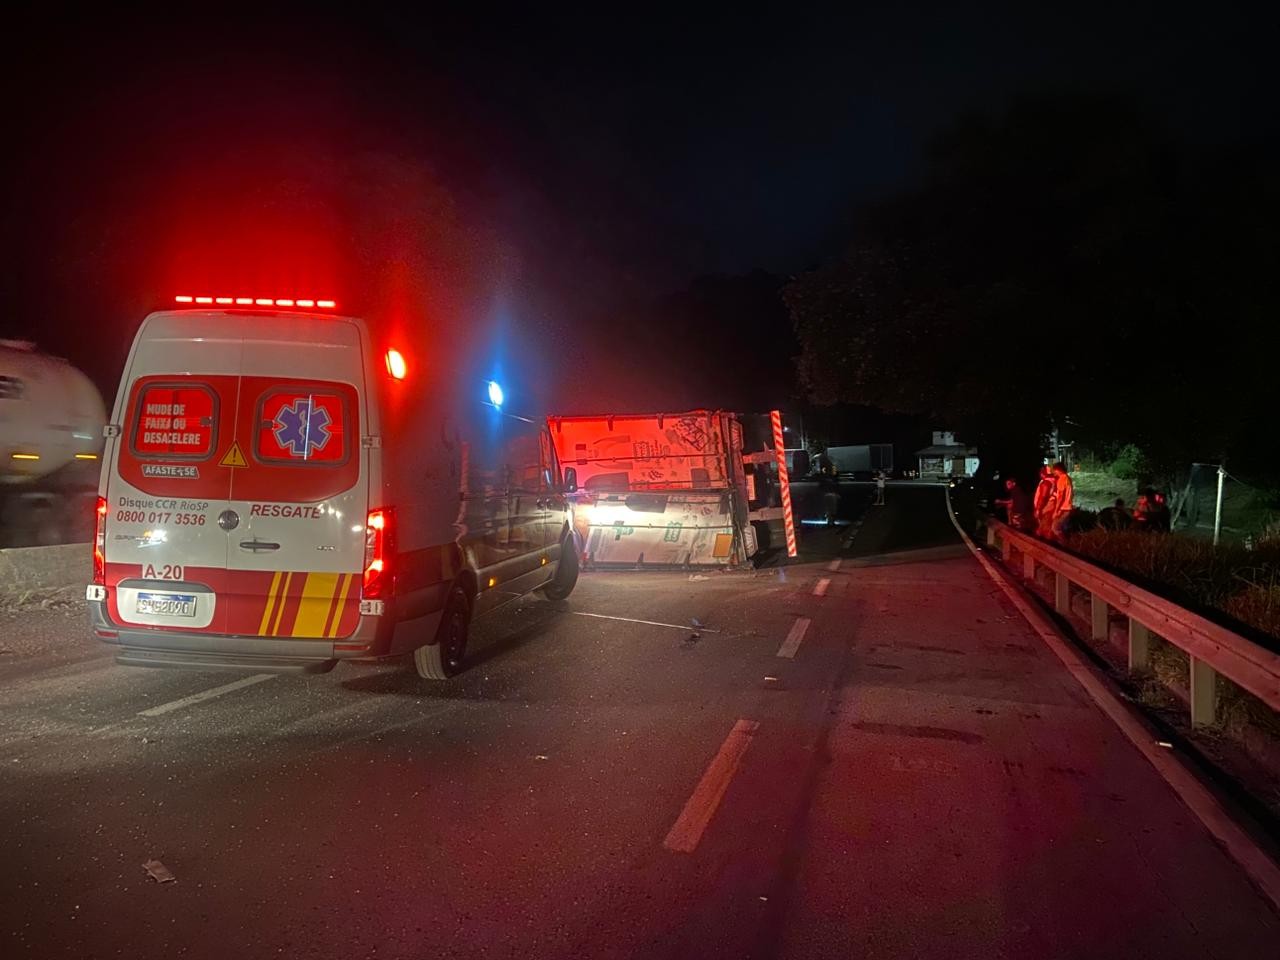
[{"x": 259, "y": 301}]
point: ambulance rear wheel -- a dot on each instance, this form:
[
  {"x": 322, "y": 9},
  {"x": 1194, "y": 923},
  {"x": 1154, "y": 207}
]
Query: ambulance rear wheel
[
  {"x": 561, "y": 585},
  {"x": 442, "y": 659}
]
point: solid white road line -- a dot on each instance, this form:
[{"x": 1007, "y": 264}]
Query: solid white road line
[
  {"x": 820, "y": 588},
  {"x": 206, "y": 695},
  {"x": 834, "y": 565},
  {"x": 651, "y": 623},
  {"x": 1261, "y": 869},
  {"x": 792, "y": 643},
  {"x": 706, "y": 797}
]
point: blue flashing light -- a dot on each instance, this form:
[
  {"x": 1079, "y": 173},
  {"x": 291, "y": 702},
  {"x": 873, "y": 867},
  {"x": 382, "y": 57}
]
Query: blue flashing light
[{"x": 495, "y": 393}]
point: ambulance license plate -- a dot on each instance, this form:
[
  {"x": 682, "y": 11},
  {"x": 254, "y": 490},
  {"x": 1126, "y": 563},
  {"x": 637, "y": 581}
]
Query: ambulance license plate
[{"x": 167, "y": 604}]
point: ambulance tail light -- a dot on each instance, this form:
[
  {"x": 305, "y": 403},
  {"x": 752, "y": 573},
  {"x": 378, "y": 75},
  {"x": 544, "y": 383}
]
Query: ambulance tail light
[
  {"x": 100, "y": 542},
  {"x": 379, "y": 545}
]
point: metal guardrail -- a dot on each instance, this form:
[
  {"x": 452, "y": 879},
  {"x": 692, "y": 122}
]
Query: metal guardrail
[{"x": 1212, "y": 649}]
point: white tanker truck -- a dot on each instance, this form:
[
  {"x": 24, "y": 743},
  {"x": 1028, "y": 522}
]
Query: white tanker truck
[{"x": 51, "y": 419}]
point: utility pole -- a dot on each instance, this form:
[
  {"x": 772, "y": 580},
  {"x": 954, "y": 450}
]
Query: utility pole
[{"x": 1217, "y": 510}]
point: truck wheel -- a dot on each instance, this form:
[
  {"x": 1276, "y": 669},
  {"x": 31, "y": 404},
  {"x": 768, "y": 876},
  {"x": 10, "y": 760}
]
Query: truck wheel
[
  {"x": 442, "y": 659},
  {"x": 566, "y": 578}
]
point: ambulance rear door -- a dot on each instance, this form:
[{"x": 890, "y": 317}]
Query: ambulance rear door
[
  {"x": 300, "y": 481},
  {"x": 165, "y": 553}
]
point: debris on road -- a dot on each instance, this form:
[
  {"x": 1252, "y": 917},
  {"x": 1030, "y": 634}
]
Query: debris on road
[
  {"x": 159, "y": 872},
  {"x": 770, "y": 679},
  {"x": 698, "y": 577},
  {"x": 542, "y": 756}
]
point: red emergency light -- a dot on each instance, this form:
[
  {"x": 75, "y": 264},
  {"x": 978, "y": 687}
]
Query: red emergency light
[
  {"x": 259, "y": 301},
  {"x": 396, "y": 365}
]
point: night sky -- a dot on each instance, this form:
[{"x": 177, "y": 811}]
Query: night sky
[{"x": 611, "y": 161}]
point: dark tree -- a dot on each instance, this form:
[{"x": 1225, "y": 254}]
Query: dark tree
[{"x": 1063, "y": 266}]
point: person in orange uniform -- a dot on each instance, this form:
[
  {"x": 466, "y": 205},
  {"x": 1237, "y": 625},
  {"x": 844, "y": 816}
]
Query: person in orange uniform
[
  {"x": 1063, "y": 494},
  {"x": 1042, "y": 503}
]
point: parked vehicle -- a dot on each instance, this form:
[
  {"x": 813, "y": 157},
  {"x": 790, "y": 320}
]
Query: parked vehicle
[
  {"x": 861, "y": 461},
  {"x": 51, "y": 419},
  {"x": 281, "y": 490}
]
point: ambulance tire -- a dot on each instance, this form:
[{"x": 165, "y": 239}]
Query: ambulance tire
[
  {"x": 442, "y": 659},
  {"x": 566, "y": 578}
]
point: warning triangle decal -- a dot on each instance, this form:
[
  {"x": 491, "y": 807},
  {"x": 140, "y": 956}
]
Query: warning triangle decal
[{"x": 233, "y": 457}]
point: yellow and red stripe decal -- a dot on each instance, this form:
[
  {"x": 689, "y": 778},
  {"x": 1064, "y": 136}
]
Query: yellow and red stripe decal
[
  {"x": 306, "y": 605},
  {"x": 271, "y": 599}
]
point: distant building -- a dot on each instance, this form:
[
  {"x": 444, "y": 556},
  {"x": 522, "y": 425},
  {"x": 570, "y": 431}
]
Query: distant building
[{"x": 946, "y": 458}]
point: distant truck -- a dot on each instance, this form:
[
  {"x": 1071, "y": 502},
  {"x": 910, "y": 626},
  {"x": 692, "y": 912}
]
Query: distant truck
[
  {"x": 859, "y": 459},
  {"x": 664, "y": 490},
  {"x": 51, "y": 419}
]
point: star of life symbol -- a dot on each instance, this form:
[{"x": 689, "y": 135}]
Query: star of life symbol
[{"x": 302, "y": 427}]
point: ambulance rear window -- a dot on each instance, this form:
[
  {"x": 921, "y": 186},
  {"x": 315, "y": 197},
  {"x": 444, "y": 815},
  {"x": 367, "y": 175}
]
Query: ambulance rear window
[
  {"x": 303, "y": 426},
  {"x": 175, "y": 421}
]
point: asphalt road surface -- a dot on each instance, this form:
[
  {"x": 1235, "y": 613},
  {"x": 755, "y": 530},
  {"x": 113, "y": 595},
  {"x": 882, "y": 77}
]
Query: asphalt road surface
[{"x": 868, "y": 754}]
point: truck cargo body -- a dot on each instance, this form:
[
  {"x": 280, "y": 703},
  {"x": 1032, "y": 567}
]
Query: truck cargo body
[
  {"x": 657, "y": 489},
  {"x": 51, "y": 419}
]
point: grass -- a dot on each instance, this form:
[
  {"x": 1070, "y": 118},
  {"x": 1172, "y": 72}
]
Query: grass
[
  {"x": 1096, "y": 489},
  {"x": 1240, "y": 584},
  {"x": 1246, "y": 510},
  {"x": 1243, "y": 585}
]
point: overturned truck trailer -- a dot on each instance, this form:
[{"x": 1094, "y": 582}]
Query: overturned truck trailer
[{"x": 658, "y": 489}]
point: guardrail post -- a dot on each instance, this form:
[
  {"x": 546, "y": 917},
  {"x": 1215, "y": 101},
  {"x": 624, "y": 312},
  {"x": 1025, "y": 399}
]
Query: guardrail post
[
  {"x": 991, "y": 535},
  {"x": 1006, "y": 549},
  {"x": 1204, "y": 694},
  {"x": 1099, "y": 624},
  {"x": 1139, "y": 646},
  {"x": 1028, "y": 567},
  {"x": 1061, "y": 593}
]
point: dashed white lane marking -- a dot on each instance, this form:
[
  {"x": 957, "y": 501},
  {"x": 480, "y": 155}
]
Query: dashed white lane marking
[
  {"x": 206, "y": 695},
  {"x": 820, "y": 588},
  {"x": 792, "y": 643},
  {"x": 651, "y": 623},
  {"x": 1236, "y": 841},
  {"x": 706, "y": 797},
  {"x": 834, "y": 565}
]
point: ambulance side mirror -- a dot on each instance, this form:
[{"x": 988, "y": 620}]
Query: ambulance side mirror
[{"x": 570, "y": 480}]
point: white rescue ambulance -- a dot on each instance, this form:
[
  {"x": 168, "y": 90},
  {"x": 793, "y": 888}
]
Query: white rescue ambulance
[{"x": 280, "y": 491}]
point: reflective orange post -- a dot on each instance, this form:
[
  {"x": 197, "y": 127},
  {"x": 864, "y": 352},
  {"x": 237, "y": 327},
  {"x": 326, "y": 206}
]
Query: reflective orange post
[{"x": 784, "y": 482}]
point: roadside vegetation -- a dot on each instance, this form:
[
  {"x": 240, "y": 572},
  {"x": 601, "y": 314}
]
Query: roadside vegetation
[
  {"x": 1249, "y": 509},
  {"x": 1228, "y": 582},
  {"x": 1240, "y": 583}
]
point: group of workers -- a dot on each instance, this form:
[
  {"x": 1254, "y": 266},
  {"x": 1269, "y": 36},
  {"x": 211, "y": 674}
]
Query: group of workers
[
  {"x": 1049, "y": 511},
  {"x": 1150, "y": 512},
  {"x": 1047, "y": 514}
]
